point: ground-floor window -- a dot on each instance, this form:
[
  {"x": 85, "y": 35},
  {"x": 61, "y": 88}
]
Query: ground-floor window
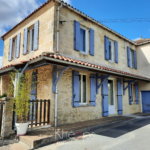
[
  {"x": 82, "y": 89},
  {"x": 110, "y": 92}
]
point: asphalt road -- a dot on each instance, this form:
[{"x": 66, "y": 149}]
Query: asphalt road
[{"x": 131, "y": 136}]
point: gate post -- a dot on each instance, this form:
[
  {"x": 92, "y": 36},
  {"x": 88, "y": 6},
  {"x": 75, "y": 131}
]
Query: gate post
[{"x": 7, "y": 118}]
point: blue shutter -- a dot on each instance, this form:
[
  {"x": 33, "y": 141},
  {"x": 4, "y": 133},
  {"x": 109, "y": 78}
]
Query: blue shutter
[
  {"x": 76, "y": 35},
  {"x": 116, "y": 52},
  {"x": 136, "y": 93},
  {"x": 36, "y": 35},
  {"x": 18, "y": 45},
  {"x": 75, "y": 89},
  {"x": 91, "y": 42},
  {"x": 10, "y": 50},
  {"x": 130, "y": 94},
  {"x": 135, "y": 60},
  {"x": 25, "y": 43},
  {"x": 128, "y": 57},
  {"x": 54, "y": 78},
  {"x": 105, "y": 98},
  {"x": 119, "y": 96},
  {"x": 33, "y": 92},
  {"x": 93, "y": 90},
  {"x": 106, "y": 47}
]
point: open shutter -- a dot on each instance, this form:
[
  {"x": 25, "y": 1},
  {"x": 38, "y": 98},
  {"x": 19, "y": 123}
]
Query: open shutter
[
  {"x": 116, "y": 52},
  {"x": 135, "y": 60},
  {"x": 128, "y": 57},
  {"x": 10, "y": 50},
  {"x": 93, "y": 90},
  {"x": 136, "y": 93},
  {"x": 36, "y": 35},
  {"x": 76, "y": 35},
  {"x": 119, "y": 96},
  {"x": 18, "y": 45},
  {"x": 130, "y": 94},
  {"x": 75, "y": 89},
  {"x": 25, "y": 43},
  {"x": 92, "y": 42},
  {"x": 33, "y": 92},
  {"x": 106, "y": 47},
  {"x": 105, "y": 98}
]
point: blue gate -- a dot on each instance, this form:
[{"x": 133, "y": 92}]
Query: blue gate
[{"x": 146, "y": 101}]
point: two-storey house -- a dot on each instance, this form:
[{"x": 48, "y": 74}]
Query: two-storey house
[{"x": 86, "y": 69}]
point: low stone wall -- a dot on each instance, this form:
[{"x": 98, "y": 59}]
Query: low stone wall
[{"x": 7, "y": 118}]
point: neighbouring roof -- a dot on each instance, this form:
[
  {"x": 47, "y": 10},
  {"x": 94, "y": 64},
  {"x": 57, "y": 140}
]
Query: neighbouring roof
[
  {"x": 76, "y": 11},
  {"x": 70, "y": 61},
  {"x": 142, "y": 41}
]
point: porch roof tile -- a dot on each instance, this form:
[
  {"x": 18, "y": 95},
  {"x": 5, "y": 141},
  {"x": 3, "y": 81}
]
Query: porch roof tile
[{"x": 75, "y": 61}]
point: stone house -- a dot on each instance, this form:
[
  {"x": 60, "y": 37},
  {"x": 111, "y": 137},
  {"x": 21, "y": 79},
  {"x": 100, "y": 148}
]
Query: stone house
[{"x": 87, "y": 70}]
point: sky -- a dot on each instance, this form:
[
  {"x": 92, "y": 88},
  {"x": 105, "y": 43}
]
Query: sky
[{"x": 14, "y": 11}]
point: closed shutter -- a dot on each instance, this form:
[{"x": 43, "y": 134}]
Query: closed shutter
[
  {"x": 116, "y": 52},
  {"x": 119, "y": 96},
  {"x": 128, "y": 57},
  {"x": 75, "y": 89},
  {"x": 25, "y": 43},
  {"x": 36, "y": 35},
  {"x": 135, "y": 60},
  {"x": 76, "y": 35},
  {"x": 18, "y": 45},
  {"x": 92, "y": 42},
  {"x": 93, "y": 90},
  {"x": 130, "y": 94},
  {"x": 136, "y": 93},
  {"x": 33, "y": 92},
  {"x": 106, "y": 47},
  {"x": 105, "y": 98},
  {"x": 10, "y": 50}
]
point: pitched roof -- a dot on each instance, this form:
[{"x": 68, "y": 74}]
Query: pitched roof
[
  {"x": 70, "y": 61},
  {"x": 142, "y": 41},
  {"x": 76, "y": 11}
]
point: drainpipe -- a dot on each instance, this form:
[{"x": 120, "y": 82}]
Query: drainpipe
[
  {"x": 58, "y": 12},
  {"x": 56, "y": 94}
]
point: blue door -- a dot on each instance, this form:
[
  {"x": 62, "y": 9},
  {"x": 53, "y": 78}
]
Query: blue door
[{"x": 146, "y": 101}]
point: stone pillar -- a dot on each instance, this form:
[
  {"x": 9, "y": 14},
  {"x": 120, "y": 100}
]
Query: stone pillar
[{"x": 7, "y": 118}]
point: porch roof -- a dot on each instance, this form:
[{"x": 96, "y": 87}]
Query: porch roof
[{"x": 56, "y": 59}]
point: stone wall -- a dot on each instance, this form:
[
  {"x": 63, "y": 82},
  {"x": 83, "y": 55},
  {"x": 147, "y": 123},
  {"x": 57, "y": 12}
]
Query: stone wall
[{"x": 68, "y": 114}]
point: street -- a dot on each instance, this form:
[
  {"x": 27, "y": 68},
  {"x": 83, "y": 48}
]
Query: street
[{"x": 132, "y": 136}]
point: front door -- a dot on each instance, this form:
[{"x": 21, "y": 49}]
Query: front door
[
  {"x": 111, "y": 101},
  {"x": 146, "y": 101}
]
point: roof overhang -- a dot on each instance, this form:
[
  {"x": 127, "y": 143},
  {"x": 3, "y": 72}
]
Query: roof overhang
[{"x": 47, "y": 60}]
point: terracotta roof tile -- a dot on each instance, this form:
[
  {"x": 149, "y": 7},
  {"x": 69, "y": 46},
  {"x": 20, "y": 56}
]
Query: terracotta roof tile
[{"x": 140, "y": 41}]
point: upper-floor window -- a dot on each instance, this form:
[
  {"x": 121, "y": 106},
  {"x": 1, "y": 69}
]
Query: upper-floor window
[
  {"x": 82, "y": 42},
  {"x": 110, "y": 49},
  {"x": 131, "y": 58},
  {"x": 31, "y": 38},
  {"x": 14, "y": 47}
]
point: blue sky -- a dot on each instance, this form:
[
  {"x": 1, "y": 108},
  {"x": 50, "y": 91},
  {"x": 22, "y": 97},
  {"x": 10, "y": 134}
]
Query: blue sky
[{"x": 14, "y": 11}]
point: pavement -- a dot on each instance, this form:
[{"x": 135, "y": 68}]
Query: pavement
[{"x": 130, "y": 136}]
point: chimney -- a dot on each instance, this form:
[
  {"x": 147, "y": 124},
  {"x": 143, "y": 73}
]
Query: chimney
[{"x": 141, "y": 36}]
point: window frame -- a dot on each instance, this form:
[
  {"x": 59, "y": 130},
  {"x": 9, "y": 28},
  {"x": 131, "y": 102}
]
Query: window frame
[
  {"x": 132, "y": 57},
  {"x": 14, "y": 50},
  {"x": 112, "y": 51},
  {"x": 86, "y": 40},
  {"x": 81, "y": 103},
  {"x": 132, "y": 93},
  {"x": 30, "y": 35}
]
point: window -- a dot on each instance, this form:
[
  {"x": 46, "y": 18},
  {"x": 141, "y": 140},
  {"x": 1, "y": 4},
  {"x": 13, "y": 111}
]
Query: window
[
  {"x": 82, "y": 89},
  {"x": 132, "y": 58},
  {"x": 111, "y": 50},
  {"x": 83, "y": 40},
  {"x": 14, "y": 51},
  {"x": 110, "y": 92},
  {"x": 130, "y": 93},
  {"x": 31, "y": 39}
]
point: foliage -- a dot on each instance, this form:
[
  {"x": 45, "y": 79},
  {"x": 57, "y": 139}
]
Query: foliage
[
  {"x": 4, "y": 95},
  {"x": 22, "y": 89}
]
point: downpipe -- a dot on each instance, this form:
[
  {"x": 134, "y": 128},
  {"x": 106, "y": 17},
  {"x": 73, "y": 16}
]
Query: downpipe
[{"x": 56, "y": 95}]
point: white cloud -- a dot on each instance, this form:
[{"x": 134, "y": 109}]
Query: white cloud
[
  {"x": 14, "y": 11},
  {"x": 1, "y": 60},
  {"x": 136, "y": 39}
]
